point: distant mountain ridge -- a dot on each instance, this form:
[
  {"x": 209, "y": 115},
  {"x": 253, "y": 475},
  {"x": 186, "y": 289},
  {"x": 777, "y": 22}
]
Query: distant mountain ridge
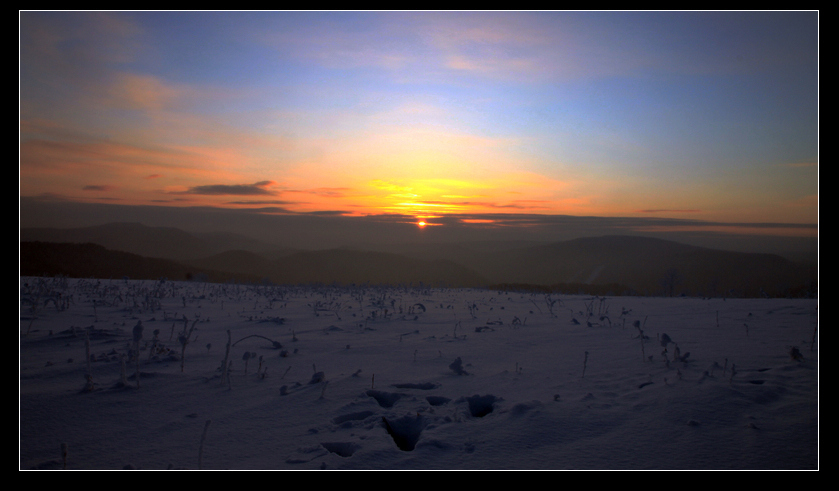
[
  {"x": 160, "y": 242},
  {"x": 655, "y": 266},
  {"x": 643, "y": 265},
  {"x": 95, "y": 261},
  {"x": 345, "y": 266},
  {"x": 628, "y": 264}
]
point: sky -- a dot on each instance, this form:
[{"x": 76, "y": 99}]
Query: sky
[{"x": 434, "y": 117}]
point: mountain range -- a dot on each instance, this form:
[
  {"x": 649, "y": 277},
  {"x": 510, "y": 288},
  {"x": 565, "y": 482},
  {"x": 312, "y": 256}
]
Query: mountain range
[{"x": 603, "y": 265}]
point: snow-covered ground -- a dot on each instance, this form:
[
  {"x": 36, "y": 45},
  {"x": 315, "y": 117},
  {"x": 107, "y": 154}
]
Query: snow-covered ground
[{"x": 341, "y": 378}]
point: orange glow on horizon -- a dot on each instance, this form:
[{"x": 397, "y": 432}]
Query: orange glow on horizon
[{"x": 477, "y": 220}]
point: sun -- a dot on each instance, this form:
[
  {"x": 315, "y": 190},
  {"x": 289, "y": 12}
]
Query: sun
[{"x": 424, "y": 221}]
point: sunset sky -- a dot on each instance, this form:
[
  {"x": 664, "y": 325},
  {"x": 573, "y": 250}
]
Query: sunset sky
[{"x": 702, "y": 116}]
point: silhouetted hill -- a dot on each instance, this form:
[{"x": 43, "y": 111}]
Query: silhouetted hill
[
  {"x": 343, "y": 266},
  {"x": 162, "y": 242},
  {"x": 359, "y": 267},
  {"x": 650, "y": 267},
  {"x": 95, "y": 261},
  {"x": 225, "y": 241},
  {"x": 618, "y": 264},
  {"x": 327, "y": 267},
  {"x": 627, "y": 264},
  {"x": 236, "y": 262}
]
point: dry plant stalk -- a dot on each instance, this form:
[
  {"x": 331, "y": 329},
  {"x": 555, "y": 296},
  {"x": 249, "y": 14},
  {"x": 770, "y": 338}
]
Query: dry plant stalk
[
  {"x": 225, "y": 373},
  {"x": 201, "y": 446},
  {"x": 585, "y": 362},
  {"x": 138, "y": 335},
  {"x": 89, "y": 376},
  {"x": 184, "y": 339}
]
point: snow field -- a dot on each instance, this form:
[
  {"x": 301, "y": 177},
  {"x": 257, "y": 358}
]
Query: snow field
[{"x": 530, "y": 398}]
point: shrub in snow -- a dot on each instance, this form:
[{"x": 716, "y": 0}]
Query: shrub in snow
[
  {"x": 184, "y": 339},
  {"x": 317, "y": 378},
  {"x": 155, "y": 342},
  {"x": 457, "y": 367},
  {"x": 274, "y": 344},
  {"x": 678, "y": 356}
]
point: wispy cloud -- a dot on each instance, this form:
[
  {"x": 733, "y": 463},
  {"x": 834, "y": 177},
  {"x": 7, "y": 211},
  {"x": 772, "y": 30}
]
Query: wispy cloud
[
  {"x": 325, "y": 191},
  {"x": 141, "y": 92},
  {"x": 77, "y": 45}
]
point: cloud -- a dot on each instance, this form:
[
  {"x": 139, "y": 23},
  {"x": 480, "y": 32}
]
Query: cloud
[
  {"x": 517, "y": 204},
  {"x": 141, "y": 92},
  {"x": 665, "y": 210},
  {"x": 266, "y": 202},
  {"x": 98, "y": 187},
  {"x": 327, "y": 213},
  {"x": 255, "y": 189},
  {"x": 338, "y": 192},
  {"x": 46, "y": 148},
  {"x": 344, "y": 40},
  {"x": 278, "y": 210},
  {"x": 489, "y": 65},
  {"x": 174, "y": 200},
  {"x": 77, "y": 45}
]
